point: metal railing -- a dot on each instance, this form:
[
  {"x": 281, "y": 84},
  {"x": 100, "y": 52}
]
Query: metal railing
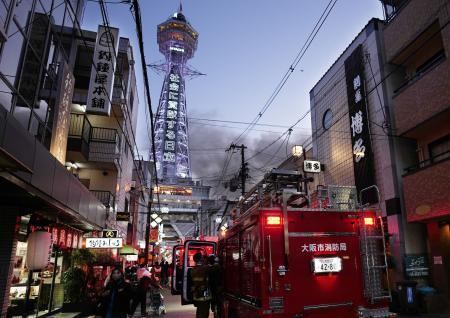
[
  {"x": 105, "y": 197},
  {"x": 426, "y": 163},
  {"x": 97, "y": 143}
]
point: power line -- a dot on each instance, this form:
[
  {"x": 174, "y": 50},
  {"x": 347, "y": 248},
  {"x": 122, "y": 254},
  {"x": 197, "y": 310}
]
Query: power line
[{"x": 292, "y": 67}]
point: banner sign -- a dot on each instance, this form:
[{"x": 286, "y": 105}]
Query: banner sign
[
  {"x": 61, "y": 117},
  {"x": 416, "y": 265},
  {"x": 102, "y": 75},
  {"x": 101, "y": 242},
  {"x": 311, "y": 166},
  {"x": 359, "y": 122},
  {"x": 173, "y": 98}
]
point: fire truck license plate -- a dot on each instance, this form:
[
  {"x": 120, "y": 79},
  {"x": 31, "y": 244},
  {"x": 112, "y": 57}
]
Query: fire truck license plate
[{"x": 326, "y": 265}]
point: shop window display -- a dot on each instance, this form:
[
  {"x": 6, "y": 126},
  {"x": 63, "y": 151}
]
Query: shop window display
[{"x": 46, "y": 288}]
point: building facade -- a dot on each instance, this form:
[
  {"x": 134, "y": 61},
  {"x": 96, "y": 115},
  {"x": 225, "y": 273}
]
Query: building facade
[
  {"x": 38, "y": 193},
  {"x": 353, "y": 138},
  {"x": 101, "y": 143},
  {"x": 54, "y": 181},
  {"x": 417, "y": 48}
]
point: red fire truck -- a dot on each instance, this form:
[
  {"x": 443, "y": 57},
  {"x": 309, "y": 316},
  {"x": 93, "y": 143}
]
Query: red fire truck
[{"x": 282, "y": 258}]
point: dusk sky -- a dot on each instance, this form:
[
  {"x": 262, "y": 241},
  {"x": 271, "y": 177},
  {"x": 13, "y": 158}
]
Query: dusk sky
[{"x": 245, "y": 47}]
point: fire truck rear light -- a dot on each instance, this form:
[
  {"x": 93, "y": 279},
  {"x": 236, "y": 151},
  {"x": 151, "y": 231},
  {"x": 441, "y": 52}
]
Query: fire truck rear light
[
  {"x": 273, "y": 220},
  {"x": 369, "y": 221}
]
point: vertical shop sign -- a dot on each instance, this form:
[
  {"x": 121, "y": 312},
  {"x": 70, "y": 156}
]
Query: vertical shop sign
[
  {"x": 359, "y": 122},
  {"x": 61, "y": 119},
  {"x": 171, "y": 117},
  {"x": 102, "y": 72}
]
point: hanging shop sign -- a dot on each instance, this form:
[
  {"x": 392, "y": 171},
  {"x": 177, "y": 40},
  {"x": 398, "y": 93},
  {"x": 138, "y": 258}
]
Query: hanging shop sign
[
  {"x": 154, "y": 233},
  {"x": 61, "y": 117},
  {"x": 311, "y": 166},
  {"x": 102, "y": 242},
  {"x": 110, "y": 233},
  {"x": 173, "y": 99},
  {"x": 102, "y": 72},
  {"x": 122, "y": 216},
  {"x": 416, "y": 265},
  {"x": 359, "y": 122}
]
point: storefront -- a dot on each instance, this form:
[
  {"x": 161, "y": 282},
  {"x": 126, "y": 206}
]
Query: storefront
[{"x": 46, "y": 288}]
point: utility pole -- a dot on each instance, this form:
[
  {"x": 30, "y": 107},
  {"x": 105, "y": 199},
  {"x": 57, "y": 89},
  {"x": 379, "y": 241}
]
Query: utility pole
[
  {"x": 147, "y": 227},
  {"x": 243, "y": 173}
]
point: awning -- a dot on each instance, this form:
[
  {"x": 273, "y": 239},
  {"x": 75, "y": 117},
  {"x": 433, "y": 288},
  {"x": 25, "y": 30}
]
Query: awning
[{"x": 128, "y": 250}]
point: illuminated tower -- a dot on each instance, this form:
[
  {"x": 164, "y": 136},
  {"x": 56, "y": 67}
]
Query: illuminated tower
[{"x": 177, "y": 41}]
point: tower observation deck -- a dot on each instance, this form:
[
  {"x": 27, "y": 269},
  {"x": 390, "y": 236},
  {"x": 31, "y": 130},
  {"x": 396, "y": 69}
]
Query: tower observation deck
[{"x": 177, "y": 41}]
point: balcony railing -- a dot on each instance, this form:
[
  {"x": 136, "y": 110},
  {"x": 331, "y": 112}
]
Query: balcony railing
[
  {"x": 105, "y": 197},
  {"x": 426, "y": 163},
  {"x": 95, "y": 143}
]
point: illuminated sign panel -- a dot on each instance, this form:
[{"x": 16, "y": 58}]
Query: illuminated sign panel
[
  {"x": 169, "y": 154},
  {"x": 311, "y": 166},
  {"x": 101, "y": 242}
]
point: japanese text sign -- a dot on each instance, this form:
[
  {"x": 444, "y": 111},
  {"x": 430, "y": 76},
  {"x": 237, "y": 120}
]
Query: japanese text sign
[
  {"x": 324, "y": 247},
  {"x": 359, "y": 120},
  {"x": 173, "y": 99},
  {"x": 102, "y": 72},
  {"x": 61, "y": 119},
  {"x": 311, "y": 166},
  {"x": 100, "y": 242}
]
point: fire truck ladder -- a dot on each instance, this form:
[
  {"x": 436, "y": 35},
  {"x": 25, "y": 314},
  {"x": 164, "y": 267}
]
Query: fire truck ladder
[{"x": 373, "y": 252}]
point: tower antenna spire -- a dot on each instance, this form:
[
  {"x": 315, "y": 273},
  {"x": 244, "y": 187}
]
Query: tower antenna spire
[{"x": 180, "y": 9}]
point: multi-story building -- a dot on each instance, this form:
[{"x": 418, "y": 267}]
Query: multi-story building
[
  {"x": 417, "y": 49},
  {"x": 101, "y": 142},
  {"x": 353, "y": 138},
  {"x": 52, "y": 178},
  {"x": 37, "y": 190}
]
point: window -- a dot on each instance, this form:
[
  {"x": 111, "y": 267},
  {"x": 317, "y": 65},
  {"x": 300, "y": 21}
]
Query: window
[
  {"x": 327, "y": 119},
  {"x": 440, "y": 149},
  {"x": 6, "y": 9}
]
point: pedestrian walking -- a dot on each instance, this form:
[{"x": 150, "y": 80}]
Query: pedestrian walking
[
  {"x": 140, "y": 297},
  {"x": 216, "y": 283},
  {"x": 201, "y": 290},
  {"x": 164, "y": 273},
  {"x": 115, "y": 302}
]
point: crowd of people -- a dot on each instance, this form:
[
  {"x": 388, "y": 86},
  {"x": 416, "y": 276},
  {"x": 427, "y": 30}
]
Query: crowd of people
[{"x": 125, "y": 291}]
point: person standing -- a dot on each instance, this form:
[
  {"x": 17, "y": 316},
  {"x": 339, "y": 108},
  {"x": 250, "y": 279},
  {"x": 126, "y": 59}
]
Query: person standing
[
  {"x": 216, "y": 282},
  {"x": 164, "y": 273},
  {"x": 116, "y": 296},
  {"x": 200, "y": 287},
  {"x": 143, "y": 276}
]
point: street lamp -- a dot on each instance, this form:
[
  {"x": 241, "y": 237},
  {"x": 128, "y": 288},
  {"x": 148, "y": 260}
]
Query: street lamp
[{"x": 297, "y": 151}]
